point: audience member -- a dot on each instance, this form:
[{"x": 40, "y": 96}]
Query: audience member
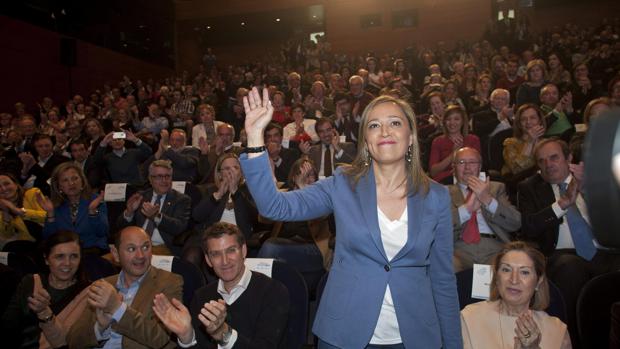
[
  {"x": 482, "y": 216},
  {"x": 528, "y": 128},
  {"x": 455, "y": 136},
  {"x": 511, "y": 318},
  {"x": 22, "y": 216},
  {"x": 555, "y": 217},
  {"x": 244, "y": 309},
  {"x": 161, "y": 211},
  {"x": 37, "y": 171},
  {"x": 45, "y": 306},
  {"x": 121, "y": 164},
  {"x": 330, "y": 152},
  {"x": 120, "y": 308}
]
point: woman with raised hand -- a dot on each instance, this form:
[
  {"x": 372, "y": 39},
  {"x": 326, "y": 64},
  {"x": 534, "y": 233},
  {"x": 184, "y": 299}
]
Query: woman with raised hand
[
  {"x": 44, "y": 307},
  {"x": 74, "y": 207},
  {"x": 391, "y": 284}
]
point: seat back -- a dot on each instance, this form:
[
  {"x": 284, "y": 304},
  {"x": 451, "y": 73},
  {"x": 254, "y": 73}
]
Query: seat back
[
  {"x": 593, "y": 309},
  {"x": 192, "y": 278},
  {"x": 97, "y": 267},
  {"x": 297, "y": 325}
]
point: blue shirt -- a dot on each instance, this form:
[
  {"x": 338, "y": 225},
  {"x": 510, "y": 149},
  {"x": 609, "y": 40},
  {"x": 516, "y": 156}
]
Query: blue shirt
[{"x": 114, "y": 340}]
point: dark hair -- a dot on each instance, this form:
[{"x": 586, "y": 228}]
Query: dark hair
[
  {"x": 78, "y": 141},
  {"x": 220, "y": 229},
  {"x": 296, "y": 171},
  {"x": 20, "y": 189},
  {"x": 41, "y": 136},
  {"x": 325, "y": 120},
  {"x": 298, "y": 106},
  {"x": 273, "y": 125},
  {"x": 63, "y": 236}
]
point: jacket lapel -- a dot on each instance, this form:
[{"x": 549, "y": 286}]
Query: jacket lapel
[
  {"x": 415, "y": 211},
  {"x": 367, "y": 196}
]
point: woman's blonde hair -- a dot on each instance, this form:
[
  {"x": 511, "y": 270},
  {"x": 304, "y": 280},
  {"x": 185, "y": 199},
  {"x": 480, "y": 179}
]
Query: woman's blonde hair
[
  {"x": 540, "y": 300},
  {"x": 516, "y": 126},
  {"x": 417, "y": 180},
  {"x": 536, "y": 62},
  {"x": 217, "y": 177},
  {"x": 57, "y": 196}
]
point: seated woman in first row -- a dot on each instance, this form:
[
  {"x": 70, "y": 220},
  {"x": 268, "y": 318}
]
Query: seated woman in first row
[{"x": 514, "y": 317}]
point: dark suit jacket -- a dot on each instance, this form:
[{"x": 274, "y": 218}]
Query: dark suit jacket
[
  {"x": 184, "y": 163},
  {"x": 348, "y": 154},
  {"x": 139, "y": 326},
  {"x": 504, "y": 222},
  {"x": 94, "y": 174},
  {"x": 288, "y": 156},
  {"x": 174, "y": 215},
  {"x": 259, "y": 315},
  {"x": 539, "y": 222},
  {"x": 209, "y": 211},
  {"x": 44, "y": 173}
]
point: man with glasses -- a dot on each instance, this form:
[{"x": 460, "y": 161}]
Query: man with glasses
[
  {"x": 482, "y": 216},
  {"x": 244, "y": 309},
  {"x": 161, "y": 211},
  {"x": 330, "y": 151}
]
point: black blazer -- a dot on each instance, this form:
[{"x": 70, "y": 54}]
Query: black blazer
[
  {"x": 44, "y": 173},
  {"x": 174, "y": 215},
  {"x": 209, "y": 211},
  {"x": 539, "y": 223},
  {"x": 288, "y": 156}
]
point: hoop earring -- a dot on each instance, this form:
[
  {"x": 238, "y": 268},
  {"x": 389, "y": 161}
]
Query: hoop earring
[{"x": 409, "y": 154}]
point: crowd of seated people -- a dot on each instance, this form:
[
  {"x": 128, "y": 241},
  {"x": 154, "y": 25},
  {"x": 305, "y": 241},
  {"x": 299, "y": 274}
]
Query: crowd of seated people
[{"x": 499, "y": 103}]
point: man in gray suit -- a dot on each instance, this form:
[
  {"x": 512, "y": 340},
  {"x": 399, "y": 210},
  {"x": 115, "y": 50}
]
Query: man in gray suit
[
  {"x": 482, "y": 216},
  {"x": 330, "y": 151}
]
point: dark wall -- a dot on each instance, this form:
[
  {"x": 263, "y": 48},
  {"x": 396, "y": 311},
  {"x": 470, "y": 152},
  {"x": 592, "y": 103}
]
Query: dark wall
[{"x": 31, "y": 67}]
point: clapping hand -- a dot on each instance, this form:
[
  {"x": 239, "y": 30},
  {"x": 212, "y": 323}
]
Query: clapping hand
[
  {"x": 304, "y": 147},
  {"x": 203, "y": 145},
  {"x": 94, "y": 205},
  {"x": 480, "y": 189},
  {"x": 134, "y": 203},
  {"x": 213, "y": 315},
  {"x": 527, "y": 332},
  {"x": 536, "y": 132},
  {"x": 175, "y": 316},
  {"x": 45, "y": 203},
  {"x": 457, "y": 141},
  {"x": 149, "y": 210}
]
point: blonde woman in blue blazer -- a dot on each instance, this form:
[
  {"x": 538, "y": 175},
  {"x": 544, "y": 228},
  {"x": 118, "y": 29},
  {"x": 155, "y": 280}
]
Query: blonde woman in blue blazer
[{"x": 391, "y": 284}]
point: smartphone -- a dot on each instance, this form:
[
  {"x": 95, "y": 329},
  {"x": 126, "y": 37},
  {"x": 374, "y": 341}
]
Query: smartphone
[
  {"x": 119, "y": 135},
  {"x": 482, "y": 176}
]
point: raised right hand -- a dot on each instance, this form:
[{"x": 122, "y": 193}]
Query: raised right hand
[
  {"x": 258, "y": 113},
  {"x": 45, "y": 203}
]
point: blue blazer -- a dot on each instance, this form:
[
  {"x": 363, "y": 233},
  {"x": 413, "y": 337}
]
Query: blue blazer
[
  {"x": 93, "y": 230},
  {"x": 420, "y": 276}
]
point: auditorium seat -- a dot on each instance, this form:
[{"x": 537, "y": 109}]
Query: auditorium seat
[{"x": 593, "y": 309}]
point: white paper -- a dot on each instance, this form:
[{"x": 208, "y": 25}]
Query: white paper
[
  {"x": 260, "y": 265},
  {"x": 500, "y": 15},
  {"x": 511, "y": 14},
  {"x": 343, "y": 139},
  {"x": 4, "y": 258},
  {"x": 581, "y": 127},
  {"x": 285, "y": 143},
  {"x": 179, "y": 186},
  {"x": 115, "y": 192},
  {"x": 236, "y": 144},
  {"x": 162, "y": 262},
  {"x": 481, "y": 281}
]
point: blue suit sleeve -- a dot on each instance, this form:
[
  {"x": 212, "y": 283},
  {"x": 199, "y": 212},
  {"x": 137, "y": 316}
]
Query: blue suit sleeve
[
  {"x": 311, "y": 202},
  {"x": 442, "y": 276}
]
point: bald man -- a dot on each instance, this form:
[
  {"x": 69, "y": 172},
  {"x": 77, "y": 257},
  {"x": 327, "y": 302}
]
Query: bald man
[{"x": 119, "y": 312}]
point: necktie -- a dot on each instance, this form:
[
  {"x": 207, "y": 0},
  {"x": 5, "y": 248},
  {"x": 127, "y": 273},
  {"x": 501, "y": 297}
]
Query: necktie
[
  {"x": 471, "y": 234},
  {"x": 150, "y": 224},
  {"x": 579, "y": 230},
  {"x": 327, "y": 162}
]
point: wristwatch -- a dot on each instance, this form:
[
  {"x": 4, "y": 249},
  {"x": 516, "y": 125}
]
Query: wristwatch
[
  {"x": 49, "y": 318},
  {"x": 225, "y": 336}
]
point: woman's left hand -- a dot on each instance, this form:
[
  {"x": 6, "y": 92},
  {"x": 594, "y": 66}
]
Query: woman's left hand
[
  {"x": 528, "y": 333},
  {"x": 92, "y": 207}
]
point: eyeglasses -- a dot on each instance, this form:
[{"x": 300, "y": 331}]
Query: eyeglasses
[
  {"x": 465, "y": 163},
  {"x": 161, "y": 177}
]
